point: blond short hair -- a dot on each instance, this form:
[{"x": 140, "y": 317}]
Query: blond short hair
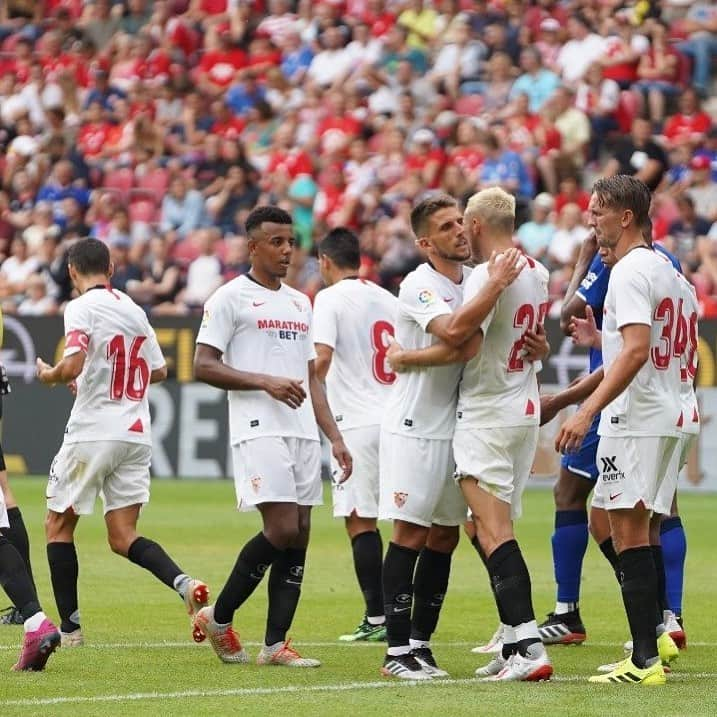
[{"x": 495, "y": 207}]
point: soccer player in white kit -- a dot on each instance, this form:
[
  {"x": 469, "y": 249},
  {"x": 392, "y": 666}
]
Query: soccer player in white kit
[
  {"x": 417, "y": 490},
  {"x": 353, "y": 323},
  {"x": 111, "y": 356},
  {"x": 639, "y": 397},
  {"x": 496, "y": 432},
  {"x": 255, "y": 342}
]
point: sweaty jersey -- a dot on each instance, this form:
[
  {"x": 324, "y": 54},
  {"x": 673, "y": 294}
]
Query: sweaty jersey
[
  {"x": 686, "y": 344},
  {"x": 499, "y": 387},
  {"x": 423, "y": 402},
  {"x": 593, "y": 288},
  {"x": 121, "y": 352},
  {"x": 356, "y": 318},
  {"x": 260, "y": 330},
  {"x": 644, "y": 289}
]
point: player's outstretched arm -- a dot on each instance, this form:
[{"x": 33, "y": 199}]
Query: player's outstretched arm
[
  {"x": 552, "y": 403},
  {"x": 440, "y": 354},
  {"x": 326, "y": 422},
  {"x": 209, "y": 368},
  {"x": 456, "y": 328},
  {"x": 632, "y": 357},
  {"x": 65, "y": 371},
  {"x": 574, "y": 305}
]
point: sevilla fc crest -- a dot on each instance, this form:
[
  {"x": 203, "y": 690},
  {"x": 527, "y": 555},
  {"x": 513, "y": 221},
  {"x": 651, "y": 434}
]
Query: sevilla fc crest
[
  {"x": 400, "y": 499},
  {"x": 255, "y": 483}
]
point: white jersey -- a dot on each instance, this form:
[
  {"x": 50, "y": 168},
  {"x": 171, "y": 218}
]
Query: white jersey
[
  {"x": 644, "y": 289},
  {"x": 423, "y": 402},
  {"x": 356, "y": 318},
  {"x": 121, "y": 352},
  {"x": 686, "y": 345},
  {"x": 262, "y": 331},
  {"x": 499, "y": 388}
]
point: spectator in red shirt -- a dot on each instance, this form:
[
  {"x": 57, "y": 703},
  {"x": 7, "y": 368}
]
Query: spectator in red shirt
[
  {"x": 536, "y": 15},
  {"x": 94, "y": 133},
  {"x": 622, "y": 51},
  {"x": 425, "y": 159},
  {"x": 285, "y": 156},
  {"x": 378, "y": 18},
  {"x": 691, "y": 122},
  {"x": 571, "y": 193},
  {"x": 219, "y": 65},
  {"x": 337, "y": 117},
  {"x": 333, "y": 207},
  {"x": 658, "y": 72},
  {"x": 226, "y": 124},
  {"x": 467, "y": 152}
]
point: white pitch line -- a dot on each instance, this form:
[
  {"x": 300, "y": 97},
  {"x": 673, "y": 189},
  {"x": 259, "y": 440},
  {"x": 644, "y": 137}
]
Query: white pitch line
[
  {"x": 288, "y": 689},
  {"x": 352, "y": 645}
]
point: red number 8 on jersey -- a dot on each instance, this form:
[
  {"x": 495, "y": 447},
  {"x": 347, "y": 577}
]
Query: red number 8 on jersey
[{"x": 380, "y": 333}]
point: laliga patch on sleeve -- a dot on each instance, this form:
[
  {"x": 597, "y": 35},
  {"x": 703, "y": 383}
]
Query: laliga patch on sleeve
[
  {"x": 205, "y": 319},
  {"x": 426, "y": 297}
]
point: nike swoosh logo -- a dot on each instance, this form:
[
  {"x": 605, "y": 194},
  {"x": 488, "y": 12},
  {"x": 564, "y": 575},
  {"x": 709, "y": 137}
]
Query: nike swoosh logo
[
  {"x": 617, "y": 495},
  {"x": 292, "y": 582},
  {"x": 258, "y": 303},
  {"x": 400, "y": 609},
  {"x": 448, "y": 298}
]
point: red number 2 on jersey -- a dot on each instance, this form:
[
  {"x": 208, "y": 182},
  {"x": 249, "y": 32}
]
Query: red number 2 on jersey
[
  {"x": 380, "y": 332},
  {"x": 524, "y": 319},
  {"x": 129, "y": 378}
]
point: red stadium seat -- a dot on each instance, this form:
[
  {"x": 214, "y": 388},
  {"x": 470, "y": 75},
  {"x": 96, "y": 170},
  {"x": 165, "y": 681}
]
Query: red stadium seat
[
  {"x": 627, "y": 110},
  {"x": 119, "y": 180},
  {"x": 155, "y": 181}
]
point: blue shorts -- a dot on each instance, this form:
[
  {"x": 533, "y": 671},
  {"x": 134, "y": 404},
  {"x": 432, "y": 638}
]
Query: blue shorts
[{"x": 582, "y": 462}]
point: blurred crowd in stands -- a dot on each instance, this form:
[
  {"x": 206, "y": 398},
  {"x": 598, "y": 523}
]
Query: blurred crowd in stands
[{"x": 157, "y": 126}]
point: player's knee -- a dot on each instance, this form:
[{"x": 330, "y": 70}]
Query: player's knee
[
  {"x": 119, "y": 543},
  {"x": 443, "y": 539},
  {"x": 283, "y": 536}
]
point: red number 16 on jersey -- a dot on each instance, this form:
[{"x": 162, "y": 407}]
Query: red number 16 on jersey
[{"x": 130, "y": 378}]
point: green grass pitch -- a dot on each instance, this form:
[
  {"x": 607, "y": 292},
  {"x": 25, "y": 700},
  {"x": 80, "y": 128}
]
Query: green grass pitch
[{"x": 140, "y": 659}]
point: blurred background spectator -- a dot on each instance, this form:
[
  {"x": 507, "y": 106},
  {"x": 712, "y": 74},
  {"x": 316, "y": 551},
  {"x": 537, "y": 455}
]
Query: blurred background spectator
[{"x": 157, "y": 126}]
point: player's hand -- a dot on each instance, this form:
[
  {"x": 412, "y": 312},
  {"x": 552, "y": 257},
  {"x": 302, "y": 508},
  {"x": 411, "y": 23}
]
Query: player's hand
[
  {"x": 343, "y": 458},
  {"x": 504, "y": 268},
  {"x": 585, "y": 331},
  {"x": 572, "y": 432},
  {"x": 535, "y": 344},
  {"x": 395, "y": 355},
  {"x": 42, "y": 371},
  {"x": 549, "y": 407},
  {"x": 287, "y": 390}
]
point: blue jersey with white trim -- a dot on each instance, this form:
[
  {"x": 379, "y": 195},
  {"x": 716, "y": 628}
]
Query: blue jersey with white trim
[{"x": 593, "y": 289}]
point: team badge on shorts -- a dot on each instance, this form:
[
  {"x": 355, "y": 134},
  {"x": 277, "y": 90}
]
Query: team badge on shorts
[
  {"x": 400, "y": 499},
  {"x": 255, "y": 483},
  {"x": 426, "y": 296}
]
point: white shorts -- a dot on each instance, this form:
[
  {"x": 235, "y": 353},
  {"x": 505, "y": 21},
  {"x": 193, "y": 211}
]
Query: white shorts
[
  {"x": 634, "y": 469},
  {"x": 500, "y": 459},
  {"x": 117, "y": 471},
  {"x": 416, "y": 482},
  {"x": 360, "y": 492},
  {"x": 687, "y": 441},
  {"x": 3, "y": 513},
  {"x": 276, "y": 469}
]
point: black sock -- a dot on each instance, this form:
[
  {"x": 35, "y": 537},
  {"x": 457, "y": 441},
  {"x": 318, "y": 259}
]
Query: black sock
[
  {"x": 398, "y": 567},
  {"x": 511, "y": 582},
  {"x": 151, "y": 556},
  {"x": 15, "y": 580},
  {"x": 17, "y": 535},
  {"x": 608, "y": 550},
  {"x": 509, "y": 648},
  {"x": 251, "y": 564},
  {"x": 658, "y": 559},
  {"x": 429, "y": 589},
  {"x": 287, "y": 574},
  {"x": 368, "y": 559},
  {"x": 64, "y": 571},
  {"x": 639, "y": 593}
]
